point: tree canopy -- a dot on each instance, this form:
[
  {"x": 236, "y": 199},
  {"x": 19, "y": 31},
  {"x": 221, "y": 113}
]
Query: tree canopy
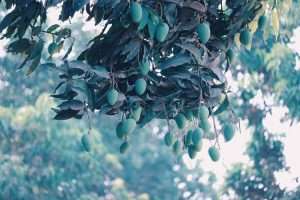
[{"x": 152, "y": 59}]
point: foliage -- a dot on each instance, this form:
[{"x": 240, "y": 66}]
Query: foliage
[
  {"x": 50, "y": 154},
  {"x": 164, "y": 56},
  {"x": 270, "y": 66}
]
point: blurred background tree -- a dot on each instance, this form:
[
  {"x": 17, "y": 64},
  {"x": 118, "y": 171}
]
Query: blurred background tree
[{"x": 270, "y": 74}]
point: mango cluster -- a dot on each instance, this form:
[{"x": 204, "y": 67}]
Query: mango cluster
[
  {"x": 192, "y": 141},
  {"x": 142, "y": 17}
]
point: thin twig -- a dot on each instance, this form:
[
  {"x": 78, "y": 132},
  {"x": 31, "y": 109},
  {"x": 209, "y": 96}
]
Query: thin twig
[{"x": 216, "y": 132}]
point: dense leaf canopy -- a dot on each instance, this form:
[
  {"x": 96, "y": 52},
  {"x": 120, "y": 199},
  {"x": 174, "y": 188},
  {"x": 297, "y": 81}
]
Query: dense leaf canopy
[
  {"x": 183, "y": 71},
  {"x": 152, "y": 59}
]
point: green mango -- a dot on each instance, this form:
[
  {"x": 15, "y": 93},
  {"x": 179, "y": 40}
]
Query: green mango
[
  {"x": 204, "y": 124},
  {"x": 198, "y": 146},
  {"x": 162, "y": 31},
  {"x": 144, "y": 67},
  {"x": 140, "y": 86},
  {"x": 197, "y": 136},
  {"x": 214, "y": 154},
  {"x": 189, "y": 138},
  {"x": 262, "y": 21},
  {"x": 176, "y": 147},
  {"x": 136, "y": 12},
  {"x": 136, "y": 112},
  {"x": 228, "y": 132},
  {"x": 202, "y": 113},
  {"x": 112, "y": 97},
  {"x": 203, "y": 31},
  {"x": 128, "y": 126},
  {"x": 53, "y": 48},
  {"x": 86, "y": 142},
  {"x": 245, "y": 37},
  {"x": 230, "y": 55},
  {"x": 145, "y": 19},
  {"x": 192, "y": 151},
  {"x": 185, "y": 142},
  {"x": 169, "y": 139},
  {"x": 124, "y": 147},
  {"x": 189, "y": 115},
  {"x": 152, "y": 25},
  {"x": 121, "y": 134},
  {"x": 180, "y": 121}
]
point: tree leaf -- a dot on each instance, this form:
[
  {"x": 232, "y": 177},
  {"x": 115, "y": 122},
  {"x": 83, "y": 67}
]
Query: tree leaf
[
  {"x": 52, "y": 28},
  {"x": 71, "y": 104},
  {"x": 19, "y": 46},
  {"x": 223, "y": 106},
  {"x": 9, "y": 19},
  {"x": 192, "y": 49},
  {"x": 66, "y": 114},
  {"x": 68, "y": 51},
  {"x": 34, "y": 64},
  {"x": 175, "y": 61},
  {"x": 275, "y": 22}
]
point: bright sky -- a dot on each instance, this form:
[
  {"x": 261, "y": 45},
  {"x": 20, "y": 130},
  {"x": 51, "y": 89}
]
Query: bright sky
[{"x": 233, "y": 152}]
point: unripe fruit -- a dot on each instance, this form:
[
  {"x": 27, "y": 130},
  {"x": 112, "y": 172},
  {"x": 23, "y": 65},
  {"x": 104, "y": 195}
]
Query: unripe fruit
[
  {"x": 203, "y": 31},
  {"x": 202, "y": 113},
  {"x": 262, "y": 22},
  {"x": 120, "y": 131},
  {"x": 245, "y": 37},
  {"x": 112, "y": 97},
  {"x": 124, "y": 147},
  {"x": 52, "y": 48},
  {"x": 214, "y": 154},
  {"x": 86, "y": 142},
  {"x": 145, "y": 19},
  {"x": 189, "y": 138},
  {"x": 144, "y": 67},
  {"x": 204, "y": 124},
  {"x": 180, "y": 120},
  {"x": 189, "y": 115},
  {"x": 192, "y": 151},
  {"x": 228, "y": 132},
  {"x": 136, "y": 112},
  {"x": 197, "y": 136},
  {"x": 176, "y": 147},
  {"x": 162, "y": 31},
  {"x": 198, "y": 146},
  {"x": 136, "y": 12},
  {"x": 230, "y": 55},
  {"x": 169, "y": 139},
  {"x": 140, "y": 86},
  {"x": 128, "y": 126}
]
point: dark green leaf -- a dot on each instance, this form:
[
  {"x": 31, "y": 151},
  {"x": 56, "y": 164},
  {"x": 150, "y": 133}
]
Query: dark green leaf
[
  {"x": 175, "y": 61},
  {"x": 34, "y": 64},
  {"x": 223, "y": 106},
  {"x": 66, "y": 114},
  {"x": 52, "y": 28}
]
